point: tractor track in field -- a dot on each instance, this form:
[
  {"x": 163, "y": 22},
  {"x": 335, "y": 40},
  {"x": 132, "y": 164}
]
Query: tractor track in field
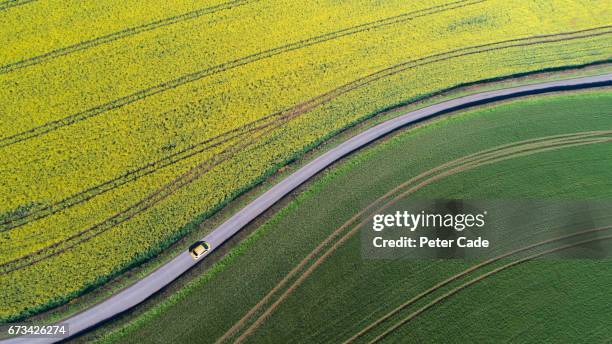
[
  {"x": 461, "y": 274},
  {"x": 480, "y": 278},
  {"x": 468, "y": 162},
  {"x": 5, "y": 5},
  {"x": 131, "y": 31},
  {"x": 195, "y": 76},
  {"x": 131, "y": 175},
  {"x": 77, "y": 198},
  {"x": 135, "y": 209}
]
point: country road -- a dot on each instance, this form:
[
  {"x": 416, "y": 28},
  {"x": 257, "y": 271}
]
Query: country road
[{"x": 149, "y": 285}]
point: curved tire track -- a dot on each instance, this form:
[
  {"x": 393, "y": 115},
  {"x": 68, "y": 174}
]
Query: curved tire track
[
  {"x": 462, "y": 274},
  {"x": 117, "y": 35},
  {"x": 5, "y": 5},
  {"x": 131, "y": 175},
  {"x": 480, "y": 278}
]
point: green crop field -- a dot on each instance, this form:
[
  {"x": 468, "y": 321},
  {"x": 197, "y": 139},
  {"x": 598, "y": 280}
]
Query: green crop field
[{"x": 260, "y": 291}]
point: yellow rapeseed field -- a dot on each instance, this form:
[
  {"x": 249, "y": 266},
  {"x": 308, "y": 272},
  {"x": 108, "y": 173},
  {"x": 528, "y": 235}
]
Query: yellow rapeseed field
[{"x": 124, "y": 122}]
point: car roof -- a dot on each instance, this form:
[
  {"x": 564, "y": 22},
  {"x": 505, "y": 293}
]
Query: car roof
[{"x": 196, "y": 244}]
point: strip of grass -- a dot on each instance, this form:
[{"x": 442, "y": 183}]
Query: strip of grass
[{"x": 324, "y": 309}]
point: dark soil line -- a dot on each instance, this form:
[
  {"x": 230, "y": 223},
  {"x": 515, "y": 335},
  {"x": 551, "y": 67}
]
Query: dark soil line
[
  {"x": 118, "y": 35},
  {"x": 5, "y": 5}
]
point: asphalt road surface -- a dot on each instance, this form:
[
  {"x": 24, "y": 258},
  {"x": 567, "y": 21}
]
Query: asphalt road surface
[{"x": 146, "y": 287}]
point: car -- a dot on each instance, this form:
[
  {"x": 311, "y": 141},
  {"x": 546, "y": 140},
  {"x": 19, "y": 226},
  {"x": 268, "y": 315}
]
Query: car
[{"x": 198, "y": 249}]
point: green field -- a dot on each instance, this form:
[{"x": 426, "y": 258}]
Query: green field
[{"x": 346, "y": 293}]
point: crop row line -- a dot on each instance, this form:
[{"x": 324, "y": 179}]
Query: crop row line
[
  {"x": 78, "y": 198},
  {"x": 137, "y": 208},
  {"x": 131, "y": 175},
  {"x": 131, "y": 31},
  {"x": 195, "y": 76},
  {"x": 41, "y": 212},
  {"x": 4, "y": 5}
]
